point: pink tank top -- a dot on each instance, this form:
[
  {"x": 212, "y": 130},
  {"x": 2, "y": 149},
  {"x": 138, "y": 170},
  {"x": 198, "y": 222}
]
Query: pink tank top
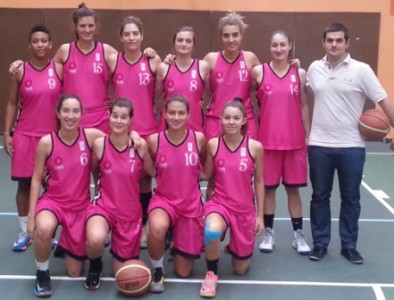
[
  {"x": 68, "y": 173},
  {"x": 280, "y": 115},
  {"x": 177, "y": 174},
  {"x": 87, "y": 76},
  {"x": 189, "y": 84},
  {"x": 119, "y": 189},
  {"x": 137, "y": 83},
  {"x": 234, "y": 172},
  {"x": 230, "y": 80},
  {"x": 39, "y": 92}
]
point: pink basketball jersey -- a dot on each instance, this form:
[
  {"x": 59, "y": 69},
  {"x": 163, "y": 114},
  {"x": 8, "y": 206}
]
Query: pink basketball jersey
[
  {"x": 137, "y": 83},
  {"x": 119, "y": 182},
  {"x": 68, "y": 173},
  {"x": 177, "y": 174},
  {"x": 39, "y": 92},
  {"x": 280, "y": 113},
  {"x": 189, "y": 84},
  {"x": 87, "y": 76},
  {"x": 234, "y": 171},
  {"x": 230, "y": 80}
]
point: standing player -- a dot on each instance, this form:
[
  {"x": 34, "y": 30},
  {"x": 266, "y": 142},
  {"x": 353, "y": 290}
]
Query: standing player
[
  {"x": 34, "y": 92},
  {"x": 283, "y": 130},
  {"x": 116, "y": 207},
  {"x": 133, "y": 78},
  {"x": 231, "y": 74},
  {"x": 187, "y": 76},
  {"x": 64, "y": 157},
  {"x": 177, "y": 202},
  {"x": 236, "y": 162}
]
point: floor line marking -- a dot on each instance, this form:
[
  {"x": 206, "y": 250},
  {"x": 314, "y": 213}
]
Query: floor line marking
[
  {"x": 375, "y": 286},
  {"x": 378, "y": 292},
  {"x": 378, "y": 196}
]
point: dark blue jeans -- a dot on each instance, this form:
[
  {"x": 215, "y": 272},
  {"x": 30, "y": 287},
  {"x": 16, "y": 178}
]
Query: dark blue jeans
[{"x": 349, "y": 164}]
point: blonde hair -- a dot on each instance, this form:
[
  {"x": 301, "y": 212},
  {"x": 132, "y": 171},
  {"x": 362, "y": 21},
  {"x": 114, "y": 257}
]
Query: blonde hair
[{"x": 232, "y": 18}]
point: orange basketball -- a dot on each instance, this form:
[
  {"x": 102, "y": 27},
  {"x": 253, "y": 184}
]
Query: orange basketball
[
  {"x": 133, "y": 278},
  {"x": 374, "y": 125}
]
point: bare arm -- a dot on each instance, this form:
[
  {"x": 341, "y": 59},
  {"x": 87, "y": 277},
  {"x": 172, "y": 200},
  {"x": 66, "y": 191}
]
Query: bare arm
[
  {"x": 97, "y": 152},
  {"x": 149, "y": 167},
  {"x": 304, "y": 104},
  {"x": 207, "y": 172},
  {"x": 161, "y": 72},
  {"x": 62, "y": 53},
  {"x": 205, "y": 72},
  {"x": 388, "y": 107},
  {"x": 258, "y": 185}
]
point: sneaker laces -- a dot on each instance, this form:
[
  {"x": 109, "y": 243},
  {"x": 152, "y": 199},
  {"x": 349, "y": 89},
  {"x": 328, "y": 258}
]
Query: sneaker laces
[{"x": 300, "y": 240}]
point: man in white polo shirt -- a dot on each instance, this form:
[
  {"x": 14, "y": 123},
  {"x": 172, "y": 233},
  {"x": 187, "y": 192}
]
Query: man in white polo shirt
[{"x": 340, "y": 86}]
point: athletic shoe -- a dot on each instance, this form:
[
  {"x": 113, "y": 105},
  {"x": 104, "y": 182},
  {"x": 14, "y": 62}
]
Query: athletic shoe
[
  {"x": 54, "y": 243},
  {"x": 42, "y": 287},
  {"x": 299, "y": 243},
  {"x": 157, "y": 283},
  {"x": 22, "y": 242},
  {"x": 268, "y": 242},
  {"x": 208, "y": 286},
  {"x": 144, "y": 237},
  {"x": 353, "y": 256},
  {"x": 92, "y": 281},
  {"x": 317, "y": 253}
]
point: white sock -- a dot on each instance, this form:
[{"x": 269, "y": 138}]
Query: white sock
[
  {"x": 42, "y": 266},
  {"x": 23, "y": 223},
  {"x": 157, "y": 263}
]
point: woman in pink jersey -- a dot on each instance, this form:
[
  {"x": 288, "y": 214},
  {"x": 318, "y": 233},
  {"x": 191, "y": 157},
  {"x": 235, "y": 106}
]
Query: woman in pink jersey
[
  {"x": 116, "y": 207},
  {"x": 283, "y": 130},
  {"x": 236, "y": 162},
  {"x": 133, "y": 78},
  {"x": 64, "y": 157},
  {"x": 177, "y": 201},
  {"x": 30, "y": 114},
  {"x": 187, "y": 76}
]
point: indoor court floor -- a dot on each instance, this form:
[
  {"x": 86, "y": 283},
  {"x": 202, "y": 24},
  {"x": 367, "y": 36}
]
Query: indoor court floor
[{"x": 282, "y": 274}]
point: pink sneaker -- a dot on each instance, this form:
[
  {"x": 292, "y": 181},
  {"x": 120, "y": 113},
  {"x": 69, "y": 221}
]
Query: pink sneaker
[{"x": 208, "y": 286}]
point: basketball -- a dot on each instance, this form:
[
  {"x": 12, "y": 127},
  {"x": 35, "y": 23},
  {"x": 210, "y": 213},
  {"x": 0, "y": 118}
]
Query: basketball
[
  {"x": 133, "y": 278},
  {"x": 374, "y": 125}
]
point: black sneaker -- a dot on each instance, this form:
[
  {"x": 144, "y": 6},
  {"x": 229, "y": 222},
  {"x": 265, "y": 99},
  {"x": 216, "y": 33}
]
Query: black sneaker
[
  {"x": 353, "y": 256},
  {"x": 317, "y": 253},
  {"x": 42, "y": 287},
  {"x": 92, "y": 281},
  {"x": 157, "y": 283}
]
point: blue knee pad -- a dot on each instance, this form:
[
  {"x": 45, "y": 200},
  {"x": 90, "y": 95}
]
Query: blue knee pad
[{"x": 210, "y": 235}]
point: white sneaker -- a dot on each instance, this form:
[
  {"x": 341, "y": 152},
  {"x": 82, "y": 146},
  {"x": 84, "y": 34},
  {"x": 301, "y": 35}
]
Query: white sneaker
[
  {"x": 268, "y": 243},
  {"x": 299, "y": 243}
]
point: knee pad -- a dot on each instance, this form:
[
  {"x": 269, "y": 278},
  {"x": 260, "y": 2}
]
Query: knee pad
[{"x": 210, "y": 235}]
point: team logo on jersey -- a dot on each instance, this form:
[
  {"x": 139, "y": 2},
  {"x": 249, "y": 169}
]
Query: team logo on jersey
[
  {"x": 98, "y": 57},
  {"x": 292, "y": 78},
  {"x": 119, "y": 78},
  {"x": 162, "y": 161},
  {"x": 50, "y": 72},
  {"x": 220, "y": 164},
  {"x": 72, "y": 67},
  {"x": 267, "y": 89},
  {"x": 194, "y": 74},
  {"x": 28, "y": 85},
  {"x": 107, "y": 167},
  {"x": 242, "y": 64},
  {"x": 58, "y": 163},
  {"x": 82, "y": 146},
  {"x": 143, "y": 67},
  {"x": 243, "y": 151},
  {"x": 219, "y": 77},
  {"x": 170, "y": 85},
  {"x": 132, "y": 153},
  {"x": 189, "y": 147}
]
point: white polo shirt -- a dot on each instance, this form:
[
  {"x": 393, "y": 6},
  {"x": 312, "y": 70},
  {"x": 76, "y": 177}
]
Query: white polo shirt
[{"x": 339, "y": 97}]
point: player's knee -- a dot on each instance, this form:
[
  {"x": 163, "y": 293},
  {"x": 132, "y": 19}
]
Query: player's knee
[{"x": 211, "y": 234}]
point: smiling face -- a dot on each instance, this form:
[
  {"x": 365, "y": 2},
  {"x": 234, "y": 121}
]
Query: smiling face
[
  {"x": 184, "y": 43},
  {"x": 131, "y": 37},
  {"x": 86, "y": 28},
  {"x": 120, "y": 120},
  {"x": 176, "y": 115},
  {"x": 231, "y": 37},
  {"x": 40, "y": 44},
  {"x": 232, "y": 120},
  {"x": 280, "y": 46},
  {"x": 69, "y": 113}
]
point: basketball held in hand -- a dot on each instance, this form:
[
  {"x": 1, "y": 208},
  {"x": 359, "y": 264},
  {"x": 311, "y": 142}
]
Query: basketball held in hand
[
  {"x": 133, "y": 278},
  {"x": 374, "y": 125}
]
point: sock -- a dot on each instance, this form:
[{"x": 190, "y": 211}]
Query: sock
[
  {"x": 297, "y": 223},
  {"x": 96, "y": 264},
  {"x": 144, "y": 200},
  {"x": 23, "y": 223},
  {"x": 157, "y": 263},
  {"x": 42, "y": 266},
  {"x": 213, "y": 265},
  {"x": 269, "y": 221}
]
